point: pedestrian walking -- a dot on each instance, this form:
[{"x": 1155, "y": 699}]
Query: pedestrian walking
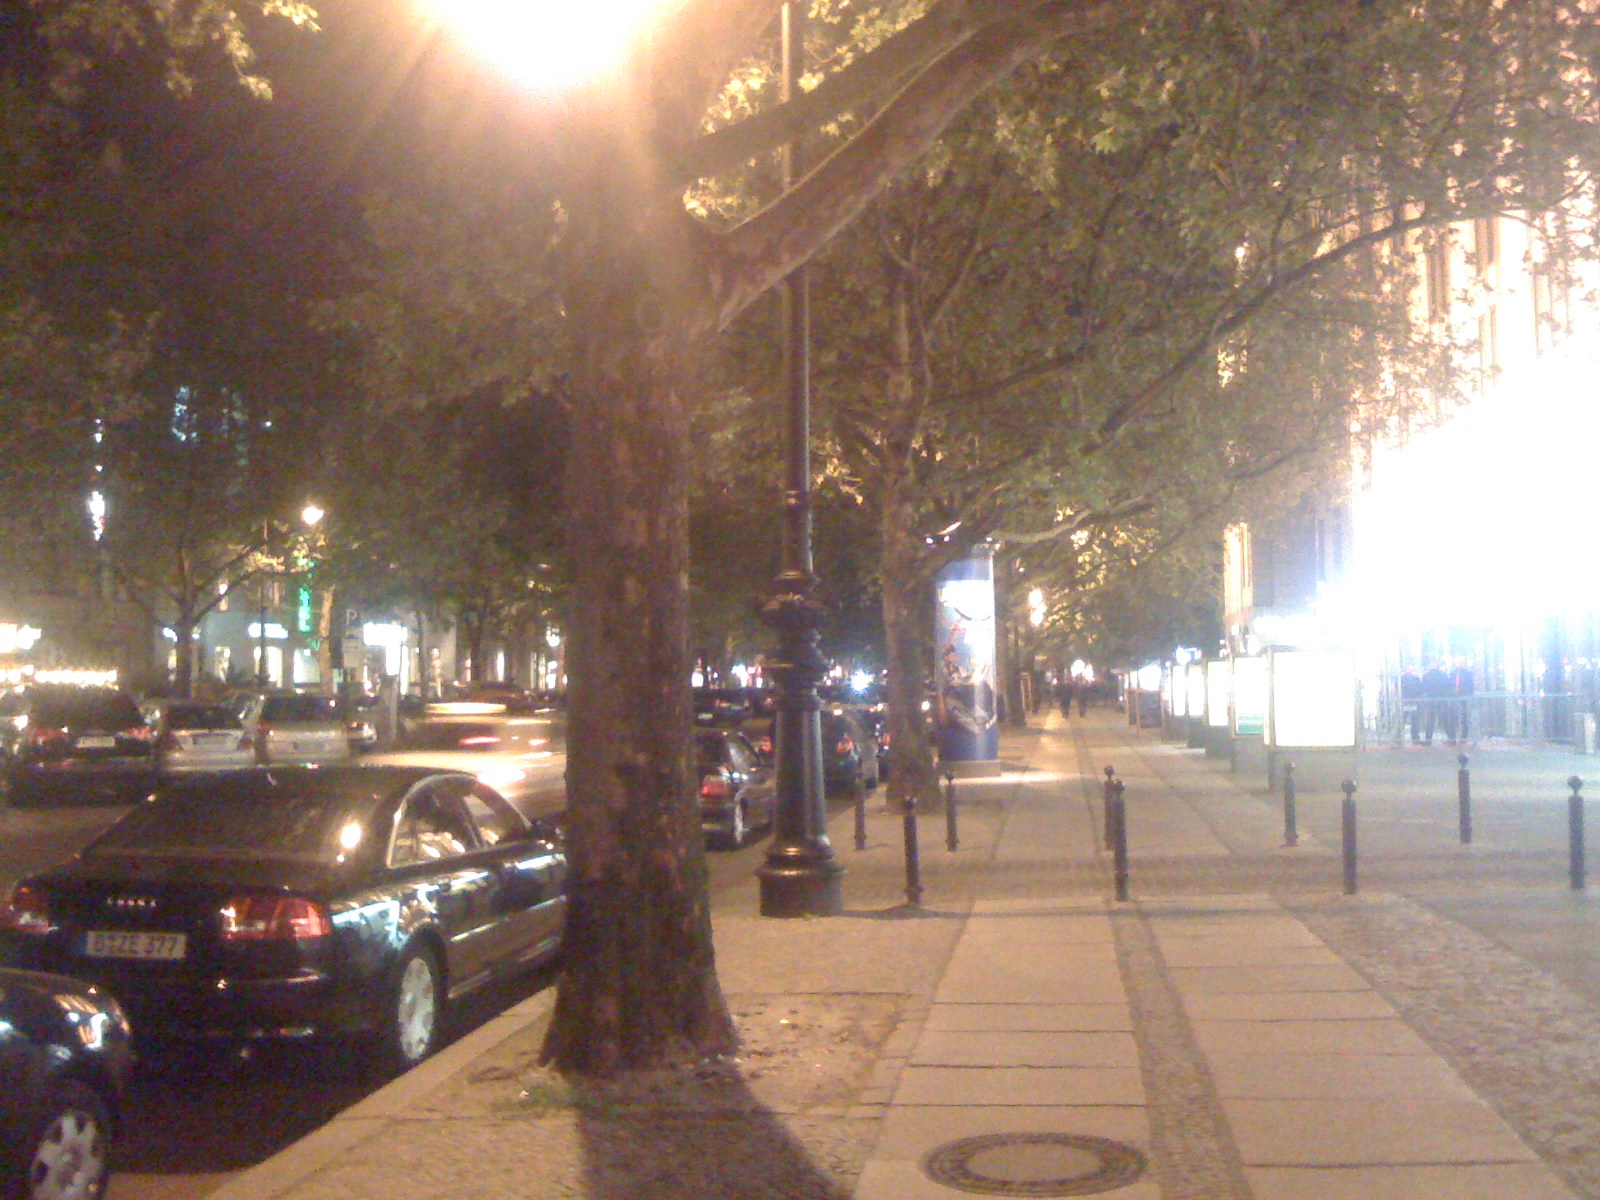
[
  {"x": 1410, "y": 706},
  {"x": 1437, "y": 708},
  {"x": 1064, "y": 691},
  {"x": 1465, "y": 685}
]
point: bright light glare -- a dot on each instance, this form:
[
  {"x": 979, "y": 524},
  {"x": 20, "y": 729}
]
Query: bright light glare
[{"x": 548, "y": 46}]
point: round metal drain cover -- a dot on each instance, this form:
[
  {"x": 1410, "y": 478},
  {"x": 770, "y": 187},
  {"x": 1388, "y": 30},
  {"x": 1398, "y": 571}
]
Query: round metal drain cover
[{"x": 1034, "y": 1164}]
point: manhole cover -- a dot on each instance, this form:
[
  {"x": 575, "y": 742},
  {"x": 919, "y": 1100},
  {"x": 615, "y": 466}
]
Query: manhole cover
[{"x": 1034, "y": 1164}]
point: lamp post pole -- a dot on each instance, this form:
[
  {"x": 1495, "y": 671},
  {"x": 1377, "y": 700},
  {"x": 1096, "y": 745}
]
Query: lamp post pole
[
  {"x": 261, "y": 616},
  {"x": 800, "y": 876}
]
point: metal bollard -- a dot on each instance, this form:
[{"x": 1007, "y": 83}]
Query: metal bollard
[
  {"x": 1107, "y": 790},
  {"x": 950, "y": 840},
  {"x": 913, "y": 862},
  {"x": 1575, "y": 871},
  {"x": 1347, "y": 815},
  {"x": 1464, "y": 794},
  {"x": 1117, "y": 814},
  {"x": 1291, "y": 828},
  {"x": 861, "y": 818}
]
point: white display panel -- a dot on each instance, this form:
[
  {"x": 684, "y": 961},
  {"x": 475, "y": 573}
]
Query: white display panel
[
  {"x": 1249, "y": 696},
  {"x": 1196, "y": 685},
  {"x": 1312, "y": 698},
  {"x": 1219, "y": 679}
]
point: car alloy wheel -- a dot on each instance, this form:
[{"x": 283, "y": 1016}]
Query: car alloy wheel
[
  {"x": 71, "y": 1154},
  {"x": 412, "y": 1028}
]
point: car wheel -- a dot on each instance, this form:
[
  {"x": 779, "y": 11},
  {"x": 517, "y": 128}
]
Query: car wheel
[
  {"x": 414, "y": 1015},
  {"x": 68, "y": 1155}
]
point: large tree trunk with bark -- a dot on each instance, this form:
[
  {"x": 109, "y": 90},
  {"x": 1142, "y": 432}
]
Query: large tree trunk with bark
[
  {"x": 908, "y": 636},
  {"x": 639, "y": 988}
]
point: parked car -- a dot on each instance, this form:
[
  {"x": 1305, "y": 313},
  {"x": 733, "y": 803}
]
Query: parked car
[
  {"x": 300, "y": 900},
  {"x": 721, "y": 706},
  {"x": 296, "y": 727},
  {"x": 64, "y": 1061},
  {"x": 849, "y": 752},
  {"x": 737, "y": 794},
  {"x": 514, "y": 697},
  {"x": 521, "y": 757},
  {"x": 79, "y": 745},
  {"x": 201, "y": 735}
]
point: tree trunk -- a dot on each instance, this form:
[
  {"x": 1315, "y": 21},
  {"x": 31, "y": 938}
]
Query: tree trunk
[
  {"x": 639, "y": 988},
  {"x": 183, "y": 676},
  {"x": 908, "y": 637}
]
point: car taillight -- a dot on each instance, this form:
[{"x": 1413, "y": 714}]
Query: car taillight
[
  {"x": 256, "y": 918},
  {"x": 40, "y": 736},
  {"x": 764, "y": 745},
  {"x": 846, "y": 746},
  {"x": 473, "y": 743},
  {"x": 714, "y": 787},
  {"x": 25, "y": 911},
  {"x": 138, "y": 733}
]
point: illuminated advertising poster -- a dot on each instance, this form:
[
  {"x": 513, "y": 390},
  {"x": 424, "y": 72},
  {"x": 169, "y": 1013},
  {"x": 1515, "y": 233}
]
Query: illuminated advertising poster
[
  {"x": 1313, "y": 698},
  {"x": 964, "y": 626},
  {"x": 1219, "y": 675},
  {"x": 1249, "y": 696},
  {"x": 1196, "y": 683},
  {"x": 1174, "y": 692}
]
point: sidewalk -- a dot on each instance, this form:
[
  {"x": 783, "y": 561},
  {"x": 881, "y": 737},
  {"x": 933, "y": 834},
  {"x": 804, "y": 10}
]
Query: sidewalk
[{"x": 1239, "y": 1029}]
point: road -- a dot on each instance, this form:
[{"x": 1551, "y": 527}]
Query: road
[{"x": 196, "y": 1116}]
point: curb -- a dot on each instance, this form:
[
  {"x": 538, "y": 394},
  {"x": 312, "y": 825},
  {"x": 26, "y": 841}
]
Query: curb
[{"x": 304, "y": 1158}]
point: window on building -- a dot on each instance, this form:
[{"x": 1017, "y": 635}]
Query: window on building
[
  {"x": 1488, "y": 346},
  {"x": 1437, "y": 260},
  {"x": 1485, "y": 244}
]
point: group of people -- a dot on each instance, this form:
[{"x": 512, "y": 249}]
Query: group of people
[
  {"x": 1438, "y": 699},
  {"x": 1069, "y": 690}
]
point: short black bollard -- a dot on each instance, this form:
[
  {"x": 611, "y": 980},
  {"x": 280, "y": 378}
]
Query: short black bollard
[
  {"x": 1291, "y": 827},
  {"x": 1117, "y": 814},
  {"x": 913, "y": 862},
  {"x": 861, "y": 817},
  {"x": 1347, "y": 815},
  {"x": 1464, "y": 793},
  {"x": 951, "y": 842},
  {"x": 1575, "y": 870},
  {"x": 1107, "y": 790}
]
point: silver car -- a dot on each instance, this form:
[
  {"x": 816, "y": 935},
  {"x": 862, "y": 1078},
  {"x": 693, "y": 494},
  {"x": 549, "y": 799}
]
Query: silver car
[
  {"x": 296, "y": 727},
  {"x": 200, "y": 735}
]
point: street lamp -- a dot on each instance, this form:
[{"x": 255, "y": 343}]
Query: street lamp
[{"x": 800, "y": 877}]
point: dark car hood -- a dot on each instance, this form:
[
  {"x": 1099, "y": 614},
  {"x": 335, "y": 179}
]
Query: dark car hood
[{"x": 275, "y": 873}]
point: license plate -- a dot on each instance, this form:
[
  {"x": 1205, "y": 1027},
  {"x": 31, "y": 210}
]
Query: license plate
[
  {"x": 125, "y": 944},
  {"x": 96, "y": 743}
]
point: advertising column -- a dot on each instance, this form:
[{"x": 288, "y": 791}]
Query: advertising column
[{"x": 969, "y": 731}]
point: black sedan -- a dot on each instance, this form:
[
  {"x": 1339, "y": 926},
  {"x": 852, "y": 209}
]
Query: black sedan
[
  {"x": 64, "y": 1058},
  {"x": 289, "y": 901}
]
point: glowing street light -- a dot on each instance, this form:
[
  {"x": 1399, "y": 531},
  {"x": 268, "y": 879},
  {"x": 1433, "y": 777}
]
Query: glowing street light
[{"x": 548, "y": 46}]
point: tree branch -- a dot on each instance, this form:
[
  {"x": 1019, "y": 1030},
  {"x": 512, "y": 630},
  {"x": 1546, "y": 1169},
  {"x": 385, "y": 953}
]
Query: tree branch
[{"x": 746, "y": 261}]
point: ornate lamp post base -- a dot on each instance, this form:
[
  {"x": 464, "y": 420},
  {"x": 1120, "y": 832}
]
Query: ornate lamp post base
[{"x": 801, "y": 888}]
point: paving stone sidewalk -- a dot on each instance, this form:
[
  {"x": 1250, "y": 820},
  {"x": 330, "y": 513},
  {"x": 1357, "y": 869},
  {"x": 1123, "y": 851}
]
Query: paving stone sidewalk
[{"x": 1239, "y": 1028}]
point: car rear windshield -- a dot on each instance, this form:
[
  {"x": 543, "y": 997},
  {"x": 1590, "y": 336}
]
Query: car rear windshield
[
  {"x": 251, "y": 815},
  {"x": 85, "y": 709},
  {"x": 298, "y": 708},
  {"x": 708, "y": 752},
  {"x": 201, "y": 716}
]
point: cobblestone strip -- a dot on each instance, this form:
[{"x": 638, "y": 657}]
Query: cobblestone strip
[
  {"x": 1527, "y": 1043},
  {"x": 1194, "y": 1155}
]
